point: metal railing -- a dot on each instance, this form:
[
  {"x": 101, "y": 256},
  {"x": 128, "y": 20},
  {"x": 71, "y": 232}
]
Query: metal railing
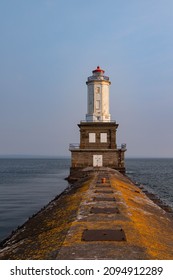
[
  {"x": 93, "y": 78},
  {"x": 122, "y": 147},
  {"x": 74, "y": 146},
  {"x": 98, "y": 121}
]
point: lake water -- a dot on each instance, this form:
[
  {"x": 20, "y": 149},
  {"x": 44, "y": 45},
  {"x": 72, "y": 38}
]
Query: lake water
[{"x": 26, "y": 185}]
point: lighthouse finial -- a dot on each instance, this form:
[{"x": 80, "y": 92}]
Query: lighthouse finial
[{"x": 98, "y": 70}]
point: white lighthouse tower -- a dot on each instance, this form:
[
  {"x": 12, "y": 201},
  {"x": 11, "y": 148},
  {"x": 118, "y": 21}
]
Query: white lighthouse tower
[{"x": 98, "y": 97}]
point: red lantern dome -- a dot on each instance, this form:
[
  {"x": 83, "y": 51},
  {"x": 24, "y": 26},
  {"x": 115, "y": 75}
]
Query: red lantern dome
[{"x": 98, "y": 70}]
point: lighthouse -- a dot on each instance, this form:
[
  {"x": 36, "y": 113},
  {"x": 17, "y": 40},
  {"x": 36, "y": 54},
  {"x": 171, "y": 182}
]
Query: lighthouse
[
  {"x": 97, "y": 147},
  {"x": 98, "y": 96}
]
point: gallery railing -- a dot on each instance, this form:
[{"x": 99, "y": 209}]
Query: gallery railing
[{"x": 76, "y": 146}]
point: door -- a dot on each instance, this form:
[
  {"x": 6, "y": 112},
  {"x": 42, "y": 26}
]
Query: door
[{"x": 97, "y": 160}]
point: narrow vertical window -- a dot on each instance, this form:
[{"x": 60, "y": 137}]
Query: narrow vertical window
[
  {"x": 97, "y": 90},
  {"x": 92, "y": 137},
  {"x": 97, "y": 104},
  {"x": 103, "y": 137}
]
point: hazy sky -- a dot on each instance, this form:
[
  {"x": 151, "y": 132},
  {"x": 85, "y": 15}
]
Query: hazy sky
[{"x": 48, "y": 48}]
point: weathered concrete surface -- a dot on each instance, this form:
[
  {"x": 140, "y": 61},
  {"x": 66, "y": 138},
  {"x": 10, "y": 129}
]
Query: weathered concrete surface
[
  {"x": 42, "y": 236},
  {"x": 56, "y": 232}
]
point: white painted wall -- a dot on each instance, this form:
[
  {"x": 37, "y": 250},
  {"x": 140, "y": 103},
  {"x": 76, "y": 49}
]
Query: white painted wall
[{"x": 98, "y": 101}]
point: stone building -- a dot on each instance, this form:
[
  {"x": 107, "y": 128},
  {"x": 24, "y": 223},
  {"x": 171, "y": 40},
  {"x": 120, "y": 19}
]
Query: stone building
[{"x": 98, "y": 147}]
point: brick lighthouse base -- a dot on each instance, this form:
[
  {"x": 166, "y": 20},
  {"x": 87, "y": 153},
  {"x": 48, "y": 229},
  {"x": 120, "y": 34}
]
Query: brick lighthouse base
[{"x": 111, "y": 158}]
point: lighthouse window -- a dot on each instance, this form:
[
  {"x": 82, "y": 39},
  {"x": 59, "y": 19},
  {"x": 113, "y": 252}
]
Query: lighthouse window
[
  {"x": 103, "y": 137},
  {"x": 97, "y": 104},
  {"x": 97, "y": 90},
  {"x": 98, "y": 96},
  {"x": 92, "y": 137}
]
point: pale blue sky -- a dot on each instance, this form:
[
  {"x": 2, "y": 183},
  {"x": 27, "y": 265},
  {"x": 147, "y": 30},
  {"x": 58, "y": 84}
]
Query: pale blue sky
[{"x": 48, "y": 49}]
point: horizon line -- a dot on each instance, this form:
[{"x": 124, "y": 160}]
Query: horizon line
[{"x": 69, "y": 157}]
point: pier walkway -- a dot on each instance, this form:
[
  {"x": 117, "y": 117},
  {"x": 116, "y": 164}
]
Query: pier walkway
[
  {"x": 96, "y": 220},
  {"x": 116, "y": 220}
]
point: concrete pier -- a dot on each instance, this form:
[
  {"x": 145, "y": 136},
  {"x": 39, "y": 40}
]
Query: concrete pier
[{"x": 96, "y": 219}]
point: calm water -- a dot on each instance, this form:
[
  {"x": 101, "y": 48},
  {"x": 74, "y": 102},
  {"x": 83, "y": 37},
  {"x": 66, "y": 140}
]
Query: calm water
[
  {"x": 156, "y": 175},
  {"x": 26, "y": 185}
]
